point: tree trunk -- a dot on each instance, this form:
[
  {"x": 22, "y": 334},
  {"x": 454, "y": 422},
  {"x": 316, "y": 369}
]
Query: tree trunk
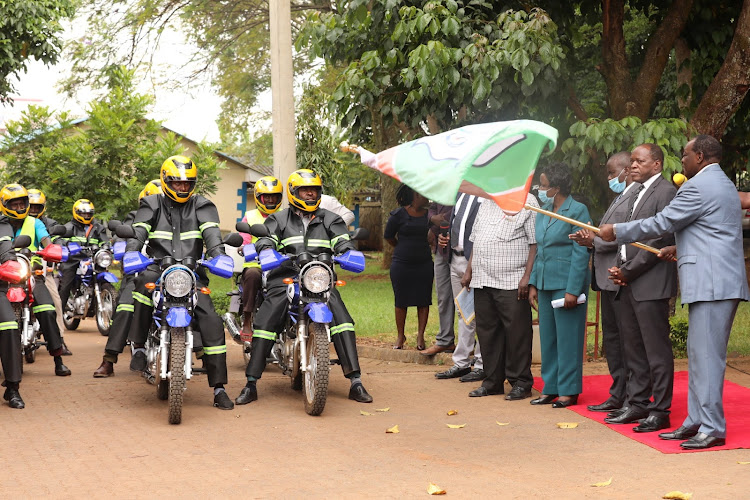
[
  {"x": 730, "y": 85},
  {"x": 684, "y": 73}
]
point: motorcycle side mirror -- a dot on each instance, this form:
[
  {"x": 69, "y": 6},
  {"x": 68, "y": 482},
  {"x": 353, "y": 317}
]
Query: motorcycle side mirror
[
  {"x": 112, "y": 225},
  {"x": 361, "y": 233},
  {"x": 234, "y": 240},
  {"x": 57, "y": 230},
  {"x": 125, "y": 231},
  {"x": 242, "y": 227},
  {"x": 22, "y": 241},
  {"x": 259, "y": 230}
]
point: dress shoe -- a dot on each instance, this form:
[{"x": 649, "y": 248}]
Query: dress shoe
[
  {"x": 564, "y": 403},
  {"x": 248, "y": 394},
  {"x": 679, "y": 434},
  {"x": 544, "y": 400},
  {"x": 106, "y": 369},
  {"x": 482, "y": 391},
  {"x": 473, "y": 376},
  {"x": 653, "y": 423},
  {"x": 518, "y": 393},
  {"x": 65, "y": 350},
  {"x": 358, "y": 393},
  {"x": 13, "y": 397},
  {"x": 222, "y": 401},
  {"x": 434, "y": 349},
  {"x": 453, "y": 372},
  {"x": 632, "y": 414},
  {"x": 608, "y": 405},
  {"x": 61, "y": 370},
  {"x": 138, "y": 362},
  {"x": 701, "y": 441},
  {"x": 618, "y": 412}
]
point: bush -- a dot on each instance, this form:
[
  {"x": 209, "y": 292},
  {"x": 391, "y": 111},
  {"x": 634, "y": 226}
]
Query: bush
[{"x": 678, "y": 334}]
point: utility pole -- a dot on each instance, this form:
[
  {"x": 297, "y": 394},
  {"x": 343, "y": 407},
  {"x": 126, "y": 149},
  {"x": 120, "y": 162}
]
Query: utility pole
[{"x": 282, "y": 90}]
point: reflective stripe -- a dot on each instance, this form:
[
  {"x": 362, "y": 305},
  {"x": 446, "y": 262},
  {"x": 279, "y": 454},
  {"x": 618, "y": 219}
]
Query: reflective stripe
[
  {"x": 144, "y": 225},
  {"x": 191, "y": 235},
  {"x": 5, "y": 238},
  {"x": 206, "y": 225},
  {"x": 160, "y": 235},
  {"x": 217, "y": 349},
  {"x": 343, "y": 237},
  {"x": 42, "y": 308},
  {"x": 94, "y": 241},
  {"x": 263, "y": 334},
  {"x": 143, "y": 299},
  {"x": 252, "y": 263},
  {"x": 78, "y": 238},
  {"x": 9, "y": 325},
  {"x": 125, "y": 307},
  {"x": 343, "y": 327},
  {"x": 319, "y": 243},
  {"x": 292, "y": 240}
]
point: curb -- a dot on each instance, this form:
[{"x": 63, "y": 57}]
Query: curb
[{"x": 404, "y": 356}]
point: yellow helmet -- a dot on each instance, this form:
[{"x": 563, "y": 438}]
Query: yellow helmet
[
  {"x": 267, "y": 185},
  {"x": 83, "y": 211},
  {"x": 153, "y": 187},
  {"x": 36, "y": 197},
  {"x": 10, "y": 193},
  {"x": 178, "y": 169},
  {"x": 303, "y": 178}
]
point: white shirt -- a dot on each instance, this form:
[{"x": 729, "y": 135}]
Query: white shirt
[{"x": 646, "y": 185}]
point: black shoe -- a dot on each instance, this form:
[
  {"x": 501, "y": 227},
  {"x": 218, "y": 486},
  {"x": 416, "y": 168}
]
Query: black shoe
[
  {"x": 13, "y": 397},
  {"x": 679, "y": 434},
  {"x": 572, "y": 400},
  {"x": 617, "y": 413},
  {"x": 701, "y": 441},
  {"x": 65, "y": 350},
  {"x": 474, "y": 376},
  {"x": 222, "y": 401},
  {"x": 358, "y": 393},
  {"x": 653, "y": 423},
  {"x": 632, "y": 414},
  {"x": 453, "y": 372},
  {"x": 482, "y": 391},
  {"x": 608, "y": 405},
  {"x": 248, "y": 394},
  {"x": 138, "y": 362},
  {"x": 518, "y": 393},
  {"x": 61, "y": 370},
  {"x": 544, "y": 400}
]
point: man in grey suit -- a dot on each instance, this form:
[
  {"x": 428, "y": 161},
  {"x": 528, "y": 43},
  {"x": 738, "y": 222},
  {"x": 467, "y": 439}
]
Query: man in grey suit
[
  {"x": 605, "y": 257},
  {"x": 647, "y": 284},
  {"x": 706, "y": 219}
]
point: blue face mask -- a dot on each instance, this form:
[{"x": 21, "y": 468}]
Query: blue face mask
[
  {"x": 543, "y": 196},
  {"x": 615, "y": 185}
]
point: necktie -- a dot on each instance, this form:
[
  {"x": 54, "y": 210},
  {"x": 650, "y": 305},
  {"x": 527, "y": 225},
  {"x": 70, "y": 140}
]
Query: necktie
[
  {"x": 458, "y": 215},
  {"x": 632, "y": 203}
]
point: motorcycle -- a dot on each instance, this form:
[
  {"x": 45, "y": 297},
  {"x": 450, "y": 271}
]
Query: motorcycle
[
  {"x": 169, "y": 342},
  {"x": 301, "y": 349},
  {"x": 94, "y": 293}
]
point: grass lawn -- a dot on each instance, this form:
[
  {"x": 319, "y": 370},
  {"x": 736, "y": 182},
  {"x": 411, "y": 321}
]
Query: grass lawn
[{"x": 369, "y": 298}]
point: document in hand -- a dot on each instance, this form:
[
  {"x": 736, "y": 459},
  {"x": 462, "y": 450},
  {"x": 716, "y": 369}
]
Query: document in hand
[
  {"x": 558, "y": 303},
  {"x": 465, "y": 304}
]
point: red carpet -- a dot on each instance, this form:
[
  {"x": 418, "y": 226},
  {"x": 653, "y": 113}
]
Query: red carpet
[{"x": 736, "y": 410}]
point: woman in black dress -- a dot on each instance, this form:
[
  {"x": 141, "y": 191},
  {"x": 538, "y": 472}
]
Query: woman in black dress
[{"x": 411, "y": 268}]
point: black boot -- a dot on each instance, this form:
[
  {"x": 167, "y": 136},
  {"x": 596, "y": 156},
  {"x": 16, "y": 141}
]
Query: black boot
[
  {"x": 346, "y": 349},
  {"x": 248, "y": 394},
  {"x": 13, "y": 397},
  {"x": 222, "y": 401},
  {"x": 60, "y": 369}
]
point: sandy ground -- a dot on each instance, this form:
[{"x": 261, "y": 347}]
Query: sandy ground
[{"x": 83, "y": 437}]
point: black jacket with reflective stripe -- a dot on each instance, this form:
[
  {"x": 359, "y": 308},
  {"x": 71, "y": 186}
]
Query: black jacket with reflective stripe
[
  {"x": 97, "y": 236},
  {"x": 7, "y": 235}
]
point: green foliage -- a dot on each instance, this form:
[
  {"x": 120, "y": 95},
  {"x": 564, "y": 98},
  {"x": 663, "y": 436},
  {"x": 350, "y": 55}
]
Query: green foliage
[
  {"x": 678, "y": 334},
  {"x": 29, "y": 30}
]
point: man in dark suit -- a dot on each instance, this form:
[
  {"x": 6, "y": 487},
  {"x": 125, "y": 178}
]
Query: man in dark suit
[
  {"x": 707, "y": 221},
  {"x": 605, "y": 257},
  {"x": 647, "y": 284}
]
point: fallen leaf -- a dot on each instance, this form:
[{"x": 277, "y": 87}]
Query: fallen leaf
[
  {"x": 605, "y": 483},
  {"x": 383, "y": 409},
  {"x": 365, "y": 413},
  {"x": 678, "y": 495},
  {"x": 567, "y": 425},
  {"x": 452, "y": 412},
  {"x": 434, "y": 489},
  {"x": 743, "y": 463},
  {"x": 392, "y": 430},
  {"x": 452, "y": 426},
  {"x": 502, "y": 423}
]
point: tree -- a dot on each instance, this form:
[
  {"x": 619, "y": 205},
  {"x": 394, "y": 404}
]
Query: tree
[{"x": 29, "y": 30}]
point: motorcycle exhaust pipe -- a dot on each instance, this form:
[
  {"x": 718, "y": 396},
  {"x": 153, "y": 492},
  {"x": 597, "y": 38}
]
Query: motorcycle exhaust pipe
[{"x": 231, "y": 325}]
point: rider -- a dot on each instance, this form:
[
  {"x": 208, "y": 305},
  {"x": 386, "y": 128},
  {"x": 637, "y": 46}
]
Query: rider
[
  {"x": 37, "y": 207},
  {"x": 118, "y": 332},
  {"x": 85, "y": 231},
  {"x": 10, "y": 337},
  {"x": 14, "y": 203},
  {"x": 302, "y": 227},
  {"x": 177, "y": 225},
  {"x": 267, "y": 193}
]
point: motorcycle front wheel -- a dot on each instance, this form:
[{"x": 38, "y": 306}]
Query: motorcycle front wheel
[
  {"x": 316, "y": 377},
  {"x": 177, "y": 374},
  {"x": 106, "y": 309}
]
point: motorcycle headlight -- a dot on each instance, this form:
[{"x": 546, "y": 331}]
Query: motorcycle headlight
[
  {"x": 25, "y": 269},
  {"x": 316, "y": 279},
  {"x": 103, "y": 259},
  {"x": 178, "y": 283}
]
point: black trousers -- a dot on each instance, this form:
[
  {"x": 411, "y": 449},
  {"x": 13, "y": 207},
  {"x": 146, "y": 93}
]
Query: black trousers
[
  {"x": 67, "y": 280},
  {"x": 644, "y": 326},
  {"x": 614, "y": 347},
  {"x": 44, "y": 311},
  {"x": 206, "y": 319},
  {"x": 505, "y": 334},
  {"x": 123, "y": 317},
  {"x": 10, "y": 341}
]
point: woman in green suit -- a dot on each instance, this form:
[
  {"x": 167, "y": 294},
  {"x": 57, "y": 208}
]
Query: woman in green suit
[{"x": 561, "y": 271}]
